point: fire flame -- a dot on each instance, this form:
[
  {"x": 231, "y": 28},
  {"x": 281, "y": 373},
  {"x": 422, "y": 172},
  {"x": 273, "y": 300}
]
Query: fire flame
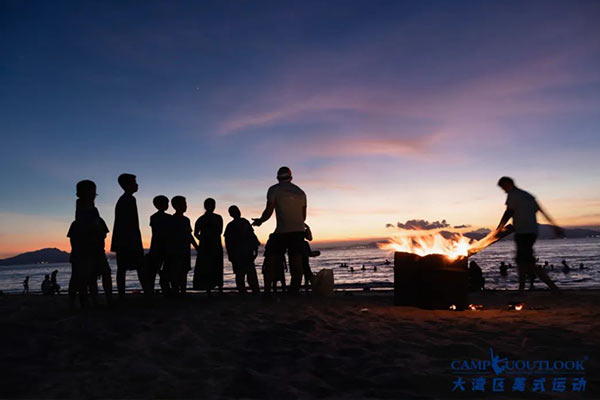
[{"x": 452, "y": 246}]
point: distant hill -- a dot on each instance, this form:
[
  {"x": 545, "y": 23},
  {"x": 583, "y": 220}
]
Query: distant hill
[
  {"x": 547, "y": 232},
  {"x": 38, "y": 257}
]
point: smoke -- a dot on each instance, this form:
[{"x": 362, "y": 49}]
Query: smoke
[{"x": 420, "y": 225}]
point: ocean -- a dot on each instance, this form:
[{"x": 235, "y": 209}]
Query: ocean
[{"x": 573, "y": 251}]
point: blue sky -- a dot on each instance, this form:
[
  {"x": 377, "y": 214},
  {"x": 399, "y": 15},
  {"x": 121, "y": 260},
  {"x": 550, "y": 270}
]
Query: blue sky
[{"x": 385, "y": 111}]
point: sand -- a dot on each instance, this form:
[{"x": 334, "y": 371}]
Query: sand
[{"x": 349, "y": 346}]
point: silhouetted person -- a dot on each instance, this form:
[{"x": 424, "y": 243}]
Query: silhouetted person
[
  {"x": 26, "y": 285},
  {"x": 363, "y": 268},
  {"x": 546, "y": 266},
  {"x": 208, "y": 273},
  {"x": 375, "y": 268},
  {"x": 581, "y": 266},
  {"x": 566, "y": 269},
  {"x": 127, "y": 238},
  {"x": 279, "y": 274},
  {"x": 47, "y": 289},
  {"x": 476, "y": 279},
  {"x": 88, "y": 258},
  {"x": 242, "y": 249},
  {"x": 55, "y": 285},
  {"x": 306, "y": 254},
  {"x": 179, "y": 258},
  {"x": 160, "y": 222},
  {"x": 503, "y": 269},
  {"x": 289, "y": 203},
  {"x": 522, "y": 208}
]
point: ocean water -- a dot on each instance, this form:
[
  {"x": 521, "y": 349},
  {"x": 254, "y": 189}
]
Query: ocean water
[{"x": 574, "y": 251}]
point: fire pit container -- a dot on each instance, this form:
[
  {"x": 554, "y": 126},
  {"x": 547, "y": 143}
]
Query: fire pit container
[{"x": 431, "y": 282}]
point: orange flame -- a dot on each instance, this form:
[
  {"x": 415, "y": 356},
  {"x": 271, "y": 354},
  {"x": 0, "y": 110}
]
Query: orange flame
[{"x": 453, "y": 246}]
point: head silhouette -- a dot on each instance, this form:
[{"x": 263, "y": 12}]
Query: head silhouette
[
  {"x": 506, "y": 183},
  {"x": 161, "y": 202},
  {"x": 128, "y": 183},
  {"x": 210, "y": 205},
  {"x": 47, "y": 277},
  {"x": 284, "y": 174},
  {"x": 234, "y": 212},
  {"x": 86, "y": 190},
  {"x": 179, "y": 204}
]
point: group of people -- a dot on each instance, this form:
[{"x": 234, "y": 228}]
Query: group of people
[
  {"x": 172, "y": 238},
  {"x": 49, "y": 285},
  {"x": 169, "y": 256}
]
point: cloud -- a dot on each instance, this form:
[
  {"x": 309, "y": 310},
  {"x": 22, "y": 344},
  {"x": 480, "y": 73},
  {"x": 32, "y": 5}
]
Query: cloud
[
  {"x": 461, "y": 226},
  {"x": 420, "y": 225}
]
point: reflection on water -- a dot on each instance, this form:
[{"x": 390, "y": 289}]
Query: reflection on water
[{"x": 574, "y": 251}]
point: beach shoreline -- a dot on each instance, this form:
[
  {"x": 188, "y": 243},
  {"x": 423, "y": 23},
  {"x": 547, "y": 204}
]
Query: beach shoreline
[{"x": 354, "y": 344}]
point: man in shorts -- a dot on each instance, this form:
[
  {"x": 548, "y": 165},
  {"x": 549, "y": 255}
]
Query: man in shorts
[
  {"x": 522, "y": 208},
  {"x": 289, "y": 203}
]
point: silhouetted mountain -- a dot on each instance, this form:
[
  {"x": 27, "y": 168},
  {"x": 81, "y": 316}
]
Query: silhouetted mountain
[
  {"x": 478, "y": 234},
  {"x": 38, "y": 257},
  {"x": 547, "y": 232}
]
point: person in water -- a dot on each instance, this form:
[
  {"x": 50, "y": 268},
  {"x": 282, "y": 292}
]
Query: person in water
[
  {"x": 565, "y": 269},
  {"x": 160, "y": 222},
  {"x": 288, "y": 202},
  {"x": 178, "y": 246},
  {"x": 242, "y": 248},
  {"x": 26, "y": 285},
  {"x": 208, "y": 273},
  {"x": 127, "y": 238},
  {"x": 503, "y": 269},
  {"x": 522, "y": 207},
  {"x": 88, "y": 257}
]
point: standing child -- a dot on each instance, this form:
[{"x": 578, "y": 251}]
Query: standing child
[
  {"x": 160, "y": 222},
  {"x": 242, "y": 248},
  {"x": 127, "y": 238},
  {"x": 179, "y": 246},
  {"x": 208, "y": 273}
]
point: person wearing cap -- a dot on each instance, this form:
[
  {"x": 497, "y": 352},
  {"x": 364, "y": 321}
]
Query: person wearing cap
[
  {"x": 522, "y": 207},
  {"x": 289, "y": 203}
]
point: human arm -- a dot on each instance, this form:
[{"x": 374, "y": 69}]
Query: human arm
[
  {"x": 268, "y": 211},
  {"x": 307, "y": 232},
  {"x": 558, "y": 231},
  {"x": 505, "y": 217},
  {"x": 197, "y": 229}
]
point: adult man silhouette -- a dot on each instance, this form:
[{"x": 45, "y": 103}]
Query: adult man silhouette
[
  {"x": 522, "y": 207},
  {"x": 289, "y": 203}
]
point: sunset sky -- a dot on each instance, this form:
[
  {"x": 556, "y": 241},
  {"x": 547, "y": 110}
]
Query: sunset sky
[{"x": 385, "y": 110}]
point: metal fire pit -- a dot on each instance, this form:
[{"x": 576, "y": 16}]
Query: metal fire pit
[{"x": 431, "y": 282}]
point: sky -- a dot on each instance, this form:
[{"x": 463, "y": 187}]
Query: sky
[{"x": 385, "y": 111}]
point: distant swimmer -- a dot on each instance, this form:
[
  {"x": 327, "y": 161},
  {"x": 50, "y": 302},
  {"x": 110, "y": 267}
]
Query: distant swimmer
[
  {"x": 566, "y": 269},
  {"x": 503, "y": 269},
  {"x": 363, "y": 268},
  {"x": 26, "y": 285},
  {"x": 351, "y": 269},
  {"x": 387, "y": 262},
  {"x": 375, "y": 268},
  {"x": 581, "y": 266},
  {"x": 546, "y": 265}
]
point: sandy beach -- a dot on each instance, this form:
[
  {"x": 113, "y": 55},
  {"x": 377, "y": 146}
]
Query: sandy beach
[{"x": 353, "y": 344}]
